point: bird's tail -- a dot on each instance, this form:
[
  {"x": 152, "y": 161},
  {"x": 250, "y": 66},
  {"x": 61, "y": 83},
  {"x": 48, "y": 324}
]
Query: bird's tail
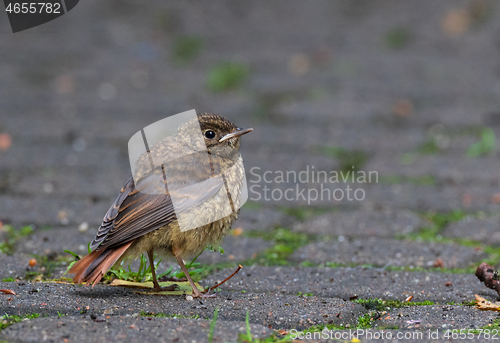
[{"x": 91, "y": 268}]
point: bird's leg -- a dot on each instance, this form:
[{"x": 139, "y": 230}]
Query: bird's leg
[
  {"x": 196, "y": 291},
  {"x": 157, "y": 287}
]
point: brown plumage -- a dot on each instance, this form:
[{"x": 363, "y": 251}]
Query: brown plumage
[{"x": 145, "y": 217}]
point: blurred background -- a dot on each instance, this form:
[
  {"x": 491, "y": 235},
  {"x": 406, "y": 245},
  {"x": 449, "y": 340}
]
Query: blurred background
[{"x": 408, "y": 89}]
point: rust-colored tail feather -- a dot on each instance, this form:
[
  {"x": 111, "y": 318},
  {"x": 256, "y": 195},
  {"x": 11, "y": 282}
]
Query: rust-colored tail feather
[{"x": 92, "y": 267}]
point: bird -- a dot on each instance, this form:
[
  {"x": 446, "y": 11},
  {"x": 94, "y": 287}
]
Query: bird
[{"x": 184, "y": 194}]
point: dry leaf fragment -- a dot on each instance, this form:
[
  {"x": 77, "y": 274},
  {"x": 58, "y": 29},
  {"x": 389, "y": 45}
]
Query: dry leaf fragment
[
  {"x": 8, "y": 291},
  {"x": 5, "y": 141},
  {"x": 439, "y": 263},
  {"x": 403, "y": 108},
  {"x": 238, "y": 231},
  {"x": 486, "y": 305}
]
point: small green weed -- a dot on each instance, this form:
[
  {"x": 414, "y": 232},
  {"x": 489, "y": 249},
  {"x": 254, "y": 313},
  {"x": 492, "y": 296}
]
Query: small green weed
[
  {"x": 286, "y": 242},
  {"x": 303, "y": 212},
  {"x": 429, "y": 147},
  {"x": 7, "y": 320},
  {"x": 144, "y": 272},
  {"x": 485, "y": 146},
  {"x": 212, "y": 326},
  {"x": 76, "y": 256},
  {"x": 165, "y": 315},
  {"x": 365, "y": 321},
  {"x": 252, "y": 205},
  {"x": 438, "y": 221},
  {"x": 12, "y": 236},
  {"x": 494, "y": 326},
  {"x": 424, "y": 180},
  {"x": 397, "y": 38},
  {"x": 226, "y": 76},
  {"x": 349, "y": 160},
  {"x": 463, "y": 303},
  {"x": 186, "y": 49},
  {"x": 248, "y": 338}
]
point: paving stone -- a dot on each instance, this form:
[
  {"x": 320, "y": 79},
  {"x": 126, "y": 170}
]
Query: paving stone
[
  {"x": 53, "y": 210},
  {"x": 262, "y": 219},
  {"x": 39, "y": 156},
  {"x": 236, "y": 249},
  {"x": 362, "y": 223},
  {"x": 445, "y": 168},
  {"x": 13, "y": 265},
  {"x": 127, "y": 329},
  {"x": 442, "y": 317},
  {"x": 485, "y": 230},
  {"x": 67, "y": 181},
  {"x": 407, "y": 196},
  {"x": 44, "y": 242},
  {"x": 361, "y": 282},
  {"x": 269, "y": 309},
  {"x": 388, "y": 252},
  {"x": 433, "y": 198}
]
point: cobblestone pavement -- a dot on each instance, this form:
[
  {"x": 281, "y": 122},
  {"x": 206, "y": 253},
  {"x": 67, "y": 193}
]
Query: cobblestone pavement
[{"x": 406, "y": 90}]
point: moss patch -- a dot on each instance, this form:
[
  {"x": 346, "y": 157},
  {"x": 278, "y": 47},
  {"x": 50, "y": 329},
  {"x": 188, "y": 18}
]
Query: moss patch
[
  {"x": 286, "y": 242},
  {"x": 9, "y": 320},
  {"x": 226, "y": 76},
  {"x": 11, "y": 236},
  {"x": 424, "y": 180},
  {"x": 349, "y": 160},
  {"x": 186, "y": 49},
  {"x": 301, "y": 213}
]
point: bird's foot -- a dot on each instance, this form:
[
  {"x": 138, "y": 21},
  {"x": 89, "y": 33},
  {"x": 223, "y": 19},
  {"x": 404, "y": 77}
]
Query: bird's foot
[
  {"x": 203, "y": 295},
  {"x": 170, "y": 288}
]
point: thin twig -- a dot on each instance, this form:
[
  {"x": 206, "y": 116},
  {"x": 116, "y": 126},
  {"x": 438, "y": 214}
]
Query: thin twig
[{"x": 223, "y": 281}]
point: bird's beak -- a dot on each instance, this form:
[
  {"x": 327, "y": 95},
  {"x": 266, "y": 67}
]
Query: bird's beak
[{"x": 236, "y": 133}]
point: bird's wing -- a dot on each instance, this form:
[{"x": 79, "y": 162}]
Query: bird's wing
[{"x": 134, "y": 213}]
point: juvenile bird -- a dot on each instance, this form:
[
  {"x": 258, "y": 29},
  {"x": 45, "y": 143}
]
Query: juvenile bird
[{"x": 180, "y": 199}]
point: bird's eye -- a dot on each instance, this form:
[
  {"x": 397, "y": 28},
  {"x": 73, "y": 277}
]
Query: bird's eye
[{"x": 209, "y": 134}]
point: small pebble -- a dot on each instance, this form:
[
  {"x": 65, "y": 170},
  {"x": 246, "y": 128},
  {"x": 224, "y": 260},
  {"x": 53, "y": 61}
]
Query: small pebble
[{"x": 83, "y": 227}]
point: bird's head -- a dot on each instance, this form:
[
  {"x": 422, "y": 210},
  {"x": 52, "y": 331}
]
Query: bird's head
[
  {"x": 220, "y": 136},
  {"x": 219, "y": 133}
]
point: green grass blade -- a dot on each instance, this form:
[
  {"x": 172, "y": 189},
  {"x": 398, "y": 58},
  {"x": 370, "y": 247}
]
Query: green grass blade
[{"x": 212, "y": 326}]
